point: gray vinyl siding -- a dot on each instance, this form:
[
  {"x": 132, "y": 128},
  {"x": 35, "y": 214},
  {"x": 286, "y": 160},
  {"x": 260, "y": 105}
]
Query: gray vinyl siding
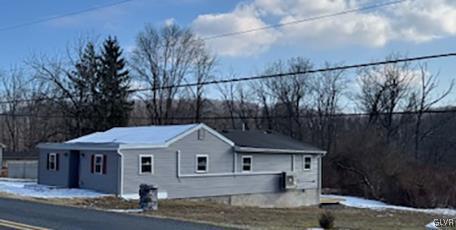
[
  {"x": 55, "y": 178},
  {"x": 267, "y": 162},
  {"x": 107, "y": 183},
  {"x": 220, "y": 161},
  {"x": 306, "y": 179},
  {"x": 220, "y": 153}
]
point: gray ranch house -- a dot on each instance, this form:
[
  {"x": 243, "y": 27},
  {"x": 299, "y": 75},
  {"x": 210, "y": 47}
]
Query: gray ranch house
[{"x": 188, "y": 161}]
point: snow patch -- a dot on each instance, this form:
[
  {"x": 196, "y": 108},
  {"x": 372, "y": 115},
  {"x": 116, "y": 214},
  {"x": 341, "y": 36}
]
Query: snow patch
[
  {"x": 138, "y": 210},
  {"x": 135, "y": 196},
  {"x": 32, "y": 189},
  {"x": 357, "y": 202}
]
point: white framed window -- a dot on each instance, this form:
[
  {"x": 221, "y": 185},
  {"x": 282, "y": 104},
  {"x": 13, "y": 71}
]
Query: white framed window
[
  {"x": 146, "y": 164},
  {"x": 202, "y": 163},
  {"x": 52, "y": 162},
  {"x": 98, "y": 164},
  {"x": 246, "y": 163},
  {"x": 307, "y": 162}
]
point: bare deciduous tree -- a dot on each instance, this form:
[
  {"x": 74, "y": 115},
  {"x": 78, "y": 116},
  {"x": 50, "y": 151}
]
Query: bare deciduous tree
[
  {"x": 327, "y": 89},
  {"x": 384, "y": 91},
  {"x": 163, "y": 59},
  {"x": 423, "y": 100},
  {"x": 290, "y": 92}
]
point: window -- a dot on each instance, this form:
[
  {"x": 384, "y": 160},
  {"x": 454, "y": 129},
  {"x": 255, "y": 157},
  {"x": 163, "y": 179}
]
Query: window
[
  {"x": 307, "y": 163},
  {"x": 53, "y": 161},
  {"x": 201, "y": 134},
  {"x": 202, "y": 163},
  {"x": 246, "y": 163},
  {"x": 99, "y": 164},
  {"x": 146, "y": 164}
]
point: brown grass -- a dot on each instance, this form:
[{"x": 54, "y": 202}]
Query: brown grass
[
  {"x": 259, "y": 218},
  {"x": 264, "y": 218}
]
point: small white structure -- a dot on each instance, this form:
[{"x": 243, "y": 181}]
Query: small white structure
[{"x": 26, "y": 169}]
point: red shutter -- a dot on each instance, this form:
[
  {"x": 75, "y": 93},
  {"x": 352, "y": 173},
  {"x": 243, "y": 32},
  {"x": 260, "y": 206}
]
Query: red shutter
[
  {"x": 92, "y": 163},
  {"x": 47, "y": 161},
  {"x": 104, "y": 164},
  {"x": 57, "y": 161}
]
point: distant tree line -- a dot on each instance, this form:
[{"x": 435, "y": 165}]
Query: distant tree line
[{"x": 401, "y": 158}]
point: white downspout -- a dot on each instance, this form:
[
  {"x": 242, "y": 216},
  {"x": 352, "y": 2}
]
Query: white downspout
[
  {"x": 319, "y": 177},
  {"x": 293, "y": 163},
  {"x": 121, "y": 172},
  {"x": 178, "y": 163},
  {"x": 234, "y": 161}
]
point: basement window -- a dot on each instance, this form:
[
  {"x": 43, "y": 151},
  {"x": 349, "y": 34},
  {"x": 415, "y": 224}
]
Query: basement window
[
  {"x": 202, "y": 163},
  {"x": 307, "y": 163},
  {"x": 246, "y": 163},
  {"x": 146, "y": 163}
]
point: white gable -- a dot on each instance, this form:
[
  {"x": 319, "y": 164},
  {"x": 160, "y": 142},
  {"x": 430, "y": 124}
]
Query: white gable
[{"x": 147, "y": 135}]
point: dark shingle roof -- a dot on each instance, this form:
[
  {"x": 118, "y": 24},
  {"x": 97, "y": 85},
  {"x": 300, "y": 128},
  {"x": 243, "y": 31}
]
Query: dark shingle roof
[
  {"x": 21, "y": 155},
  {"x": 266, "y": 140}
]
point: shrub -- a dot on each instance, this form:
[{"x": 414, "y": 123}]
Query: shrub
[{"x": 326, "y": 220}]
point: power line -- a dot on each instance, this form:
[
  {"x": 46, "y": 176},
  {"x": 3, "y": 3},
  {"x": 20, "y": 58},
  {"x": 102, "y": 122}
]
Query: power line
[
  {"x": 309, "y": 19},
  {"x": 250, "y": 117},
  {"x": 297, "y": 73},
  {"x": 266, "y": 76},
  {"x": 50, "y": 18}
]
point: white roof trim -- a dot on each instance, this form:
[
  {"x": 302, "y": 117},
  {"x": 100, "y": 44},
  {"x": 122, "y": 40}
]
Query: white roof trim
[
  {"x": 203, "y": 126},
  {"x": 66, "y": 146},
  {"x": 264, "y": 150}
]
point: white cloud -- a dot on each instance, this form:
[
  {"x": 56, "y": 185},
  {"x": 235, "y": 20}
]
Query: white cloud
[
  {"x": 425, "y": 20},
  {"x": 170, "y": 21},
  {"x": 416, "y": 21},
  {"x": 244, "y": 17}
]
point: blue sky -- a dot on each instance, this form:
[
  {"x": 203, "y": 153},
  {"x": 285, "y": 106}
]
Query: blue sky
[{"x": 417, "y": 27}]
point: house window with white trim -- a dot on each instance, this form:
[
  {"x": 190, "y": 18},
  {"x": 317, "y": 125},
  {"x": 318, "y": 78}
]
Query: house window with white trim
[
  {"x": 98, "y": 164},
  {"x": 53, "y": 161},
  {"x": 246, "y": 163},
  {"x": 307, "y": 163},
  {"x": 146, "y": 164},
  {"x": 202, "y": 163}
]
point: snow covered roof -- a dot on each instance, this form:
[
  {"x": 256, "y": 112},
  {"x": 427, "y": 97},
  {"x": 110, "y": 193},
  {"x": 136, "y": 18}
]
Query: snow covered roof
[
  {"x": 141, "y": 135},
  {"x": 133, "y": 138}
]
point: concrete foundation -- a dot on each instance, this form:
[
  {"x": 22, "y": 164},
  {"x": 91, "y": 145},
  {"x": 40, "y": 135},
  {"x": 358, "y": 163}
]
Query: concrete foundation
[{"x": 288, "y": 199}]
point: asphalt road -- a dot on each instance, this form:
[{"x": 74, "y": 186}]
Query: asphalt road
[{"x": 60, "y": 217}]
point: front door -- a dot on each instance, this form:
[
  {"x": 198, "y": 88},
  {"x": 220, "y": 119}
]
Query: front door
[{"x": 73, "y": 175}]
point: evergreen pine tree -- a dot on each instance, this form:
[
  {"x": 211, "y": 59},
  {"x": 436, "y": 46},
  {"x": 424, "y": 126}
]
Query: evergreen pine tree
[
  {"x": 83, "y": 86},
  {"x": 113, "y": 86}
]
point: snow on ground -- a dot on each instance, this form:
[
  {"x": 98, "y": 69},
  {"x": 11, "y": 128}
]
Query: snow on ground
[
  {"x": 378, "y": 205},
  {"x": 29, "y": 188}
]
